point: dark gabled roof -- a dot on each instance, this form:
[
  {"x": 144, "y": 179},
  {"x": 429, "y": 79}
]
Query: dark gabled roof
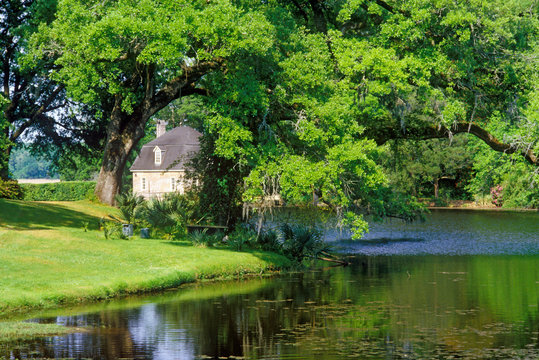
[{"x": 177, "y": 145}]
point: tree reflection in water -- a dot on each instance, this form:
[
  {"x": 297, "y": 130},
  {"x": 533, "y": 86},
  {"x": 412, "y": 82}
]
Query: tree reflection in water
[{"x": 429, "y": 306}]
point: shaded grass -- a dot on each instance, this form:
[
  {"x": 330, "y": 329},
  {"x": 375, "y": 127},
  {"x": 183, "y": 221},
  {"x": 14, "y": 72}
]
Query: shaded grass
[
  {"x": 29, "y": 215},
  {"x": 47, "y": 259}
]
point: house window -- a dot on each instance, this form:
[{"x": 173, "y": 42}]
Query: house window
[
  {"x": 179, "y": 185},
  {"x": 173, "y": 184},
  {"x": 143, "y": 183},
  {"x": 158, "y": 157}
]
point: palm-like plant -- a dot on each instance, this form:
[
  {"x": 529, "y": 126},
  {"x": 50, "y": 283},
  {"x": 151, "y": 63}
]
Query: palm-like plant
[
  {"x": 170, "y": 214},
  {"x": 269, "y": 240},
  {"x": 129, "y": 206},
  {"x": 300, "y": 242}
]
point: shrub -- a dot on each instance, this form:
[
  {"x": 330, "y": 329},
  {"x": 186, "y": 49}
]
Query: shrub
[
  {"x": 497, "y": 195},
  {"x": 60, "y": 191},
  {"x": 202, "y": 239},
  {"x": 112, "y": 230},
  {"x": 129, "y": 206},
  {"x": 168, "y": 216},
  {"x": 269, "y": 241},
  {"x": 241, "y": 237},
  {"x": 10, "y": 189},
  {"x": 300, "y": 242}
]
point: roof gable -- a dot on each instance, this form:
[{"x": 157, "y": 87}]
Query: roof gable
[
  {"x": 180, "y": 135},
  {"x": 179, "y": 144}
]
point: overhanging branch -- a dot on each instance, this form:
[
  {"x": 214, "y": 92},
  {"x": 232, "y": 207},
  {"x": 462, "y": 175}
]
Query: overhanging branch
[
  {"x": 437, "y": 132},
  {"x": 183, "y": 85}
]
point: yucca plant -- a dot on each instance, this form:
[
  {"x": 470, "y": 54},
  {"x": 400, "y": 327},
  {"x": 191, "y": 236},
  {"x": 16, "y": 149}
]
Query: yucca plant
[
  {"x": 129, "y": 206},
  {"x": 203, "y": 239},
  {"x": 241, "y": 237},
  {"x": 269, "y": 241},
  {"x": 300, "y": 242},
  {"x": 198, "y": 238},
  {"x": 112, "y": 230},
  {"x": 169, "y": 214}
]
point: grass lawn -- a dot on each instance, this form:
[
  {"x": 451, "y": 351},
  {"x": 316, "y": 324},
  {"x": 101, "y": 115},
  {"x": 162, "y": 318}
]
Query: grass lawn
[
  {"x": 48, "y": 259},
  {"x": 11, "y": 331}
]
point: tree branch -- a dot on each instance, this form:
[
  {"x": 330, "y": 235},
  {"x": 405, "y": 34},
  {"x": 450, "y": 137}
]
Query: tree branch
[
  {"x": 301, "y": 10},
  {"x": 6, "y": 66},
  {"x": 385, "y": 5},
  {"x": 432, "y": 131},
  {"x": 319, "y": 17},
  {"x": 183, "y": 85},
  {"x": 38, "y": 113}
]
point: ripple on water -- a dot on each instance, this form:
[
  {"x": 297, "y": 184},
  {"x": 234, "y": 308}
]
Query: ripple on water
[{"x": 452, "y": 232}]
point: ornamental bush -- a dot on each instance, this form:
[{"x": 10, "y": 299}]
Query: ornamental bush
[
  {"x": 60, "y": 191},
  {"x": 10, "y": 189},
  {"x": 497, "y": 195}
]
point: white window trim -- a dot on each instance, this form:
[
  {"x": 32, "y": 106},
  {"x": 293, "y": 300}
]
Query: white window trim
[
  {"x": 158, "y": 155},
  {"x": 173, "y": 186}
]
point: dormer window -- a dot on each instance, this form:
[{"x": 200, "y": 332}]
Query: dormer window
[{"x": 158, "y": 155}]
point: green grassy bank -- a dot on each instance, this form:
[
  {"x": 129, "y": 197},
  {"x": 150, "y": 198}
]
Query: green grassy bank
[
  {"x": 14, "y": 331},
  {"x": 47, "y": 258}
]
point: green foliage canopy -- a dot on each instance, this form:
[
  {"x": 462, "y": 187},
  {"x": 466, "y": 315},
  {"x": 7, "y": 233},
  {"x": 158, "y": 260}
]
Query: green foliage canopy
[
  {"x": 24, "y": 165},
  {"x": 132, "y": 58},
  {"x": 100, "y": 44},
  {"x": 28, "y": 96},
  {"x": 295, "y": 90}
]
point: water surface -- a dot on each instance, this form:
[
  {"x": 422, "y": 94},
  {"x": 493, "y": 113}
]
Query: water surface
[
  {"x": 472, "y": 293},
  {"x": 454, "y": 232}
]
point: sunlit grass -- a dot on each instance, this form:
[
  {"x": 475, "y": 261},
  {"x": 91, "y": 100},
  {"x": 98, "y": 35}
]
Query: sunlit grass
[
  {"x": 11, "y": 331},
  {"x": 47, "y": 259}
]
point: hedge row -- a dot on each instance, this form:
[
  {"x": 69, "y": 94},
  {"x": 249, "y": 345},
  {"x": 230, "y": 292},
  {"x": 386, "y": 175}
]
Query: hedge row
[{"x": 60, "y": 191}]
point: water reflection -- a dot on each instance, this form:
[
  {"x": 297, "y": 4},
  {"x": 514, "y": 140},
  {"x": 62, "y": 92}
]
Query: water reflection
[
  {"x": 389, "y": 307},
  {"x": 431, "y": 306}
]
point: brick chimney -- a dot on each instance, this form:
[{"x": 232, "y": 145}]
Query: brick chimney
[{"x": 160, "y": 128}]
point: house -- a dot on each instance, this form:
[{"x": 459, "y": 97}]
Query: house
[{"x": 161, "y": 165}]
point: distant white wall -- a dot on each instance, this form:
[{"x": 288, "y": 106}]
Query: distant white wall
[{"x": 37, "y": 181}]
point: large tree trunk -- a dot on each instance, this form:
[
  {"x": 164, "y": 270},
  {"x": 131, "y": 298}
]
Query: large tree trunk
[
  {"x": 125, "y": 130},
  {"x": 123, "y": 134},
  {"x": 109, "y": 182}
]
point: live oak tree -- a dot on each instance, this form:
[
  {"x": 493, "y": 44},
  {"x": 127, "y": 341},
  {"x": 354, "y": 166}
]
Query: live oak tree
[
  {"x": 299, "y": 94},
  {"x": 297, "y": 134},
  {"x": 141, "y": 55},
  {"x": 29, "y": 96},
  {"x": 427, "y": 69},
  {"x": 389, "y": 70}
]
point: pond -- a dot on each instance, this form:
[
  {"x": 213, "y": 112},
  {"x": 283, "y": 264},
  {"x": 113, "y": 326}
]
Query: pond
[{"x": 463, "y": 284}]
